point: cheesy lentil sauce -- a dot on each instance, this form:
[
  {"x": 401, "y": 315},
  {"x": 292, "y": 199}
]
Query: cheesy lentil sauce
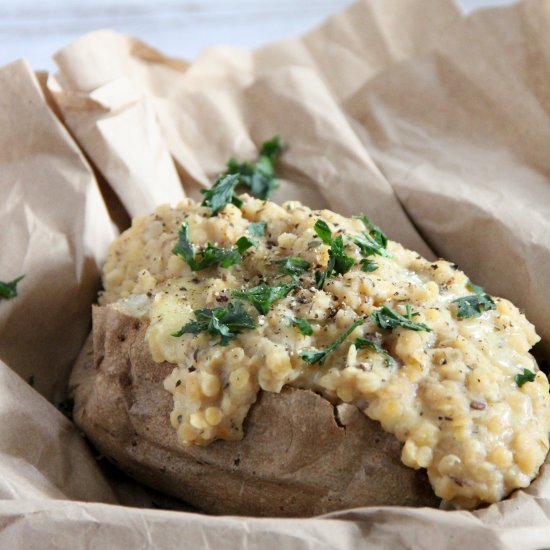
[{"x": 448, "y": 394}]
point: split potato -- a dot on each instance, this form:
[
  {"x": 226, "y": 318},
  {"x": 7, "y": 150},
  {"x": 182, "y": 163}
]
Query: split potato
[{"x": 300, "y": 456}]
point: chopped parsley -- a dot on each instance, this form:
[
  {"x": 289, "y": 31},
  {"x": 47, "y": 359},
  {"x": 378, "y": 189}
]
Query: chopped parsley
[
  {"x": 302, "y": 325},
  {"x": 368, "y": 265},
  {"x": 321, "y": 276},
  {"x": 387, "y": 318},
  {"x": 339, "y": 261},
  {"x": 320, "y": 356},
  {"x": 342, "y": 262},
  {"x": 222, "y": 193},
  {"x": 476, "y": 289},
  {"x": 207, "y": 257},
  {"x": 373, "y": 241},
  {"x": 259, "y": 177},
  {"x": 225, "y": 323},
  {"x": 263, "y": 295},
  {"x": 323, "y": 231},
  {"x": 212, "y": 255},
  {"x": 9, "y": 290},
  {"x": 374, "y": 232},
  {"x": 257, "y": 229},
  {"x": 525, "y": 376},
  {"x": 293, "y": 266},
  {"x": 369, "y": 246},
  {"x": 244, "y": 243},
  {"x": 475, "y": 304},
  {"x": 362, "y": 343}
]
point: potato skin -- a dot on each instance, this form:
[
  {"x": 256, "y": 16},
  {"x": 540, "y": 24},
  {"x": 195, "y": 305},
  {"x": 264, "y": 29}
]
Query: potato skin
[{"x": 301, "y": 456}]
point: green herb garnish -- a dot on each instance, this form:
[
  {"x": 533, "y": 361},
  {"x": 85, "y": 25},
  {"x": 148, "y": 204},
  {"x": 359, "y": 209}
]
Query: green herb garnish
[
  {"x": 373, "y": 241},
  {"x": 244, "y": 243},
  {"x": 319, "y": 356},
  {"x": 225, "y": 323},
  {"x": 259, "y": 177},
  {"x": 321, "y": 276},
  {"x": 9, "y": 290},
  {"x": 368, "y": 265},
  {"x": 338, "y": 260},
  {"x": 323, "y": 231},
  {"x": 207, "y": 257},
  {"x": 374, "y": 231},
  {"x": 525, "y": 376},
  {"x": 302, "y": 325},
  {"x": 475, "y": 304},
  {"x": 362, "y": 343},
  {"x": 342, "y": 262},
  {"x": 293, "y": 266},
  {"x": 369, "y": 246},
  {"x": 212, "y": 255},
  {"x": 262, "y": 296},
  {"x": 387, "y": 318},
  {"x": 221, "y": 194},
  {"x": 257, "y": 229}
]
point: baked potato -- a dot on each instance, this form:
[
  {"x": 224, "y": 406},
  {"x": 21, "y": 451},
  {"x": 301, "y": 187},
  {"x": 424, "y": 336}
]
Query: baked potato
[{"x": 259, "y": 359}]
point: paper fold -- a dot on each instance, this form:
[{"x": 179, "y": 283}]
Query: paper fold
[{"x": 434, "y": 125}]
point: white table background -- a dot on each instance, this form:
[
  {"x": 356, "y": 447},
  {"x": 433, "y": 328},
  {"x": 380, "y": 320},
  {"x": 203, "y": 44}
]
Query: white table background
[{"x": 35, "y": 29}]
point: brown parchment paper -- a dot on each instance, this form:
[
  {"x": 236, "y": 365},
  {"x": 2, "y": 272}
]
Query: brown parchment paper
[{"x": 433, "y": 124}]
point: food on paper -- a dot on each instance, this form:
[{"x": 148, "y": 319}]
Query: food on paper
[{"x": 246, "y": 334}]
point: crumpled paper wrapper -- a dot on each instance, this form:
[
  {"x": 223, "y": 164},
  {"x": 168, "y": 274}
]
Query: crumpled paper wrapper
[{"x": 434, "y": 125}]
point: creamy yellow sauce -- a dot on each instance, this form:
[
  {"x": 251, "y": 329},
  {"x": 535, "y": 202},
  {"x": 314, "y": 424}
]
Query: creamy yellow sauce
[{"x": 449, "y": 395}]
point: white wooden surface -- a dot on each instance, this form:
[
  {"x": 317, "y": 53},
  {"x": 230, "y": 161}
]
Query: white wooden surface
[{"x": 35, "y": 29}]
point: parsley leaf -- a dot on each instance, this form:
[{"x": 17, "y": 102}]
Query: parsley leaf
[
  {"x": 9, "y": 290},
  {"x": 473, "y": 305},
  {"x": 184, "y": 249},
  {"x": 262, "y": 296},
  {"x": 475, "y": 288},
  {"x": 221, "y": 194},
  {"x": 212, "y": 255},
  {"x": 374, "y": 231},
  {"x": 244, "y": 243},
  {"x": 272, "y": 148},
  {"x": 342, "y": 262},
  {"x": 525, "y": 376},
  {"x": 209, "y": 256},
  {"x": 373, "y": 241},
  {"x": 387, "y": 318},
  {"x": 302, "y": 325},
  {"x": 257, "y": 229},
  {"x": 320, "y": 356},
  {"x": 321, "y": 276},
  {"x": 362, "y": 343},
  {"x": 225, "y": 323},
  {"x": 369, "y": 246},
  {"x": 368, "y": 265},
  {"x": 293, "y": 266},
  {"x": 338, "y": 260},
  {"x": 260, "y": 176},
  {"x": 323, "y": 231}
]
